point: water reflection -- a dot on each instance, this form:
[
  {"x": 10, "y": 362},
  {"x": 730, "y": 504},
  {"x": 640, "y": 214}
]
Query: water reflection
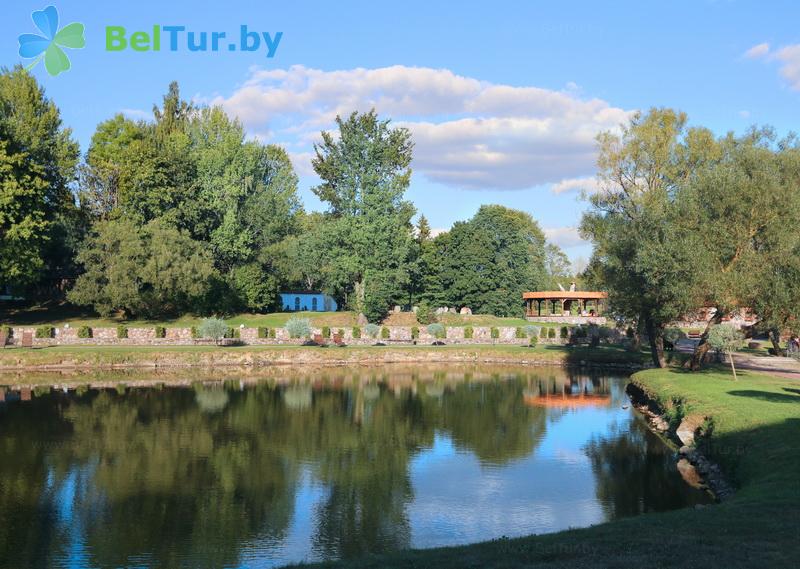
[{"x": 264, "y": 471}]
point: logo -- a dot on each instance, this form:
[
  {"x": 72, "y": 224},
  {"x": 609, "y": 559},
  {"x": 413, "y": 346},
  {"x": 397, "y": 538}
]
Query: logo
[{"x": 48, "y": 46}]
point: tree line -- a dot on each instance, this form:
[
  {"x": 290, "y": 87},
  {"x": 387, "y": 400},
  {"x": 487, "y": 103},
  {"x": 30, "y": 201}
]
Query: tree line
[
  {"x": 684, "y": 219},
  {"x": 184, "y": 213}
]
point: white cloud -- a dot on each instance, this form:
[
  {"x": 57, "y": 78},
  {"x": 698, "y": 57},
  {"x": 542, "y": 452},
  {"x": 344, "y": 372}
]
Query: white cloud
[
  {"x": 788, "y": 56},
  {"x": 757, "y": 51},
  {"x": 588, "y": 185},
  {"x": 744, "y": 114},
  {"x": 137, "y": 114},
  {"x": 564, "y": 236},
  {"x": 468, "y": 133}
]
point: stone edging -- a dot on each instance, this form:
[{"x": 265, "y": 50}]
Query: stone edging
[{"x": 694, "y": 467}]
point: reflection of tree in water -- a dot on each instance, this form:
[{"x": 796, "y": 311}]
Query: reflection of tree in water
[
  {"x": 635, "y": 473},
  {"x": 189, "y": 476}
]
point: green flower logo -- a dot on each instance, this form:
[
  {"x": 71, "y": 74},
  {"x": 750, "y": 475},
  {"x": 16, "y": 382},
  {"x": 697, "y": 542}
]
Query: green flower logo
[{"x": 48, "y": 45}]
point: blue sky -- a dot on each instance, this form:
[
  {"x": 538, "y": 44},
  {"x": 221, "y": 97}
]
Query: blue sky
[{"x": 503, "y": 98}]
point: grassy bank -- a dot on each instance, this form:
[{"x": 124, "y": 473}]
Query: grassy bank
[
  {"x": 756, "y": 439},
  {"x": 164, "y": 356}
]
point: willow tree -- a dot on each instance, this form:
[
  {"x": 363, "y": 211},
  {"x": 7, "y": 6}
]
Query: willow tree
[
  {"x": 744, "y": 208},
  {"x": 643, "y": 256}
]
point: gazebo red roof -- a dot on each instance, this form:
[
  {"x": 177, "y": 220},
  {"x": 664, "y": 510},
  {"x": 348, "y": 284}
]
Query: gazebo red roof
[{"x": 565, "y": 294}]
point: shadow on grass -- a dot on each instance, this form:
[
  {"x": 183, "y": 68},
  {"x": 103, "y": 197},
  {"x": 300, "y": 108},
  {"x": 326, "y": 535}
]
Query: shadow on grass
[{"x": 766, "y": 396}]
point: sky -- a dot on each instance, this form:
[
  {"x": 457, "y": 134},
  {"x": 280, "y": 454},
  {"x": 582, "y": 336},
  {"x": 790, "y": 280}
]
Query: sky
[{"x": 503, "y": 99}]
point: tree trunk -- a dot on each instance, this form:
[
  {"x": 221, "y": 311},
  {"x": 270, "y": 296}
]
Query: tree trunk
[
  {"x": 733, "y": 368},
  {"x": 699, "y": 355},
  {"x": 655, "y": 334},
  {"x": 775, "y": 337}
]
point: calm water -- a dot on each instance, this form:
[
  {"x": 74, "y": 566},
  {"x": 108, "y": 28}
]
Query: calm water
[{"x": 330, "y": 465}]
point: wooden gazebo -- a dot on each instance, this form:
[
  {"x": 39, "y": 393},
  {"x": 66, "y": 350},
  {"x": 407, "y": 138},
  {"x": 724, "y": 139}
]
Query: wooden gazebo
[{"x": 564, "y": 303}]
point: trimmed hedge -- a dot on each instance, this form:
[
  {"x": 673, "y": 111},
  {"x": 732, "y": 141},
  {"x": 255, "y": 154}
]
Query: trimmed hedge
[
  {"x": 356, "y": 332},
  {"x": 564, "y": 332},
  {"x": 45, "y": 331},
  {"x": 519, "y": 333},
  {"x": 551, "y": 333},
  {"x": 326, "y": 332},
  {"x": 415, "y": 332},
  {"x": 160, "y": 332},
  {"x": 384, "y": 333},
  {"x": 468, "y": 332},
  {"x": 84, "y": 332},
  {"x": 262, "y": 332},
  {"x": 495, "y": 333}
]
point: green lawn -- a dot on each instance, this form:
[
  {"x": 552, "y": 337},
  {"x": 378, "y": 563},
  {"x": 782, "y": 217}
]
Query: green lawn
[{"x": 757, "y": 441}]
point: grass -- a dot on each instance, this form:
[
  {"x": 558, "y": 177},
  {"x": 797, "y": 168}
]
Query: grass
[
  {"x": 207, "y": 355},
  {"x": 756, "y": 439}
]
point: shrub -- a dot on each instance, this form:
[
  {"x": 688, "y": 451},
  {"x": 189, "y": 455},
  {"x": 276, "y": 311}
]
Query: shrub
[
  {"x": 725, "y": 338},
  {"x": 84, "y": 332},
  {"x": 551, "y": 333},
  {"x": 160, "y": 332},
  {"x": 534, "y": 341},
  {"x": 213, "y": 328},
  {"x": 193, "y": 332},
  {"x": 580, "y": 332},
  {"x": 468, "y": 332},
  {"x": 45, "y": 331},
  {"x": 272, "y": 333},
  {"x": 673, "y": 335},
  {"x": 425, "y": 314},
  {"x": 519, "y": 332},
  {"x": 7, "y": 330},
  {"x": 436, "y": 330},
  {"x": 263, "y": 332},
  {"x": 372, "y": 330},
  {"x": 414, "y": 332},
  {"x": 564, "y": 333},
  {"x": 298, "y": 327},
  {"x": 543, "y": 332},
  {"x": 385, "y": 333},
  {"x": 356, "y": 332},
  {"x": 531, "y": 331},
  {"x": 494, "y": 333},
  {"x": 326, "y": 332}
]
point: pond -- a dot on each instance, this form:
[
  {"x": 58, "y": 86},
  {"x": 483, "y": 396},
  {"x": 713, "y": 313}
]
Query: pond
[{"x": 252, "y": 471}]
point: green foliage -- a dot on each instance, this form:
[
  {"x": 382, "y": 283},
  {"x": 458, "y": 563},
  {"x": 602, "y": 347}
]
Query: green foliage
[
  {"x": 437, "y": 330},
  {"x": 414, "y": 332},
  {"x": 38, "y": 218},
  {"x": 149, "y": 271},
  {"x": 519, "y": 333},
  {"x": 385, "y": 333},
  {"x": 45, "y": 331},
  {"x": 122, "y": 332},
  {"x": 84, "y": 332},
  {"x": 469, "y": 332},
  {"x": 372, "y": 330},
  {"x": 564, "y": 333},
  {"x": 425, "y": 314},
  {"x": 673, "y": 335},
  {"x": 365, "y": 173},
  {"x": 298, "y": 327},
  {"x": 533, "y": 341},
  {"x": 272, "y": 333},
  {"x": 356, "y": 332},
  {"x": 194, "y": 332},
  {"x": 494, "y": 333},
  {"x": 213, "y": 329},
  {"x": 160, "y": 332},
  {"x": 326, "y": 332},
  {"x": 262, "y": 332},
  {"x": 7, "y": 330},
  {"x": 531, "y": 331},
  {"x": 725, "y": 338},
  {"x": 551, "y": 333},
  {"x": 487, "y": 262},
  {"x": 255, "y": 289}
]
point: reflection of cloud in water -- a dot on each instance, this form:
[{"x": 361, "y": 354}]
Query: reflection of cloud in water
[{"x": 297, "y": 397}]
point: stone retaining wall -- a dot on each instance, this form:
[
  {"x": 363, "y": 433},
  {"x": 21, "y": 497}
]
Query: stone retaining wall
[{"x": 107, "y": 336}]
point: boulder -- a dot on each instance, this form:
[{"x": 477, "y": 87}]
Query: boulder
[{"x": 465, "y": 310}]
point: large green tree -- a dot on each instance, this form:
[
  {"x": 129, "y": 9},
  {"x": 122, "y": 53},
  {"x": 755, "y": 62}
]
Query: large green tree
[
  {"x": 486, "y": 263},
  {"x": 365, "y": 173},
  {"x": 39, "y": 220},
  {"x": 152, "y": 270}
]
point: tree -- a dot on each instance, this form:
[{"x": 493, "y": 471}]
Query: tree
[
  {"x": 151, "y": 271},
  {"x": 213, "y": 328},
  {"x": 38, "y": 159},
  {"x": 365, "y": 174},
  {"x": 557, "y": 266},
  {"x": 725, "y": 339},
  {"x": 643, "y": 255},
  {"x": 487, "y": 262}
]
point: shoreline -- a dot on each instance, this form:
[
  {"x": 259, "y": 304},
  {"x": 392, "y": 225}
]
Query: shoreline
[{"x": 179, "y": 357}]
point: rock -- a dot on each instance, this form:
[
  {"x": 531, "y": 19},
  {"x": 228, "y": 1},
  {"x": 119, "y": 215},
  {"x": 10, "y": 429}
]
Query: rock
[
  {"x": 466, "y": 310},
  {"x": 397, "y": 309},
  {"x": 414, "y": 309},
  {"x": 689, "y": 474}
]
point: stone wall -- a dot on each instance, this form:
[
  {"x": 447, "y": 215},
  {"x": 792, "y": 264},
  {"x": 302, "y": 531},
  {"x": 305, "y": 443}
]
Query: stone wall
[{"x": 105, "y": 336}]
